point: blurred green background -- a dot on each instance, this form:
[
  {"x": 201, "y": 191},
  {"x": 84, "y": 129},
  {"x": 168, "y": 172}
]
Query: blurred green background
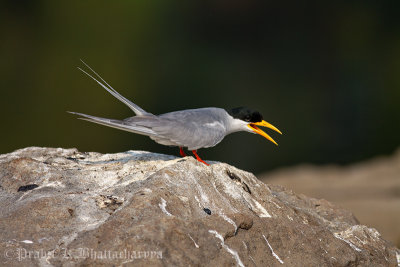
[{"x": 327, "y": 74}]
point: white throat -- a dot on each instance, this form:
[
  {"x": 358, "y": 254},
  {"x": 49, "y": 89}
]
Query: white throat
[{"x": 236, "y": 125}]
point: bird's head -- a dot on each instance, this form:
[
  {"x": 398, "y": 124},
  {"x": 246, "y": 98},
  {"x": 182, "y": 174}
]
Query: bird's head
[{"x": 252, "y": 119}]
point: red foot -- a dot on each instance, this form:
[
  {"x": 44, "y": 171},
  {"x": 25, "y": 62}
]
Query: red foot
[
  {"x": 198, "y": 158},
  {"x": 182, "y": 152}
]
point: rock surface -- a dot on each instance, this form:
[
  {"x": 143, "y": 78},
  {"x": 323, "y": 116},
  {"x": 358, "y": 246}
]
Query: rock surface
[
  {"x": 64, "y": 207},
  {"x": 370, "y": 189}
]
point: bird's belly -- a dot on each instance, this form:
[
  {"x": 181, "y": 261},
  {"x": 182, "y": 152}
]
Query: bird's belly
[
  {"x": 195, "y": 142},
  {"x": 165, "y": 142},
  {"x": 205, "y": 140}
]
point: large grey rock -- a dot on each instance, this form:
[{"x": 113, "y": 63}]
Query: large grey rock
[{"x": 64, "y": 207}]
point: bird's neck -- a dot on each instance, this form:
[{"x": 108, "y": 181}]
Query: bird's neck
[{"x": 236, "y": 125}]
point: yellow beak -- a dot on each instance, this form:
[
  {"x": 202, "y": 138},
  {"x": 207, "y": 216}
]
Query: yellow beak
[{"x": 263, "y": 123}]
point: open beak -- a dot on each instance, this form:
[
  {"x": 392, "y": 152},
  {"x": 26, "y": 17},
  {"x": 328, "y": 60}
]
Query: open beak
[{"x": 253, "y": 126}]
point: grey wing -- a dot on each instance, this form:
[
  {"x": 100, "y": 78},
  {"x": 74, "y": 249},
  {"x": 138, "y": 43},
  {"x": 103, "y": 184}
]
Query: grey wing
[
  {"x": 193, "y": 129},
  {"x": 139, "y": 124},
  {"x": 193, "y": 137},
  {"x": 190, "y": 128}
]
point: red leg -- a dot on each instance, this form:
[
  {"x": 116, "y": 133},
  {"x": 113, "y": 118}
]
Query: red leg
[
  {"x": 182, "y": 152},
  {"x": 198, "y": 158}
]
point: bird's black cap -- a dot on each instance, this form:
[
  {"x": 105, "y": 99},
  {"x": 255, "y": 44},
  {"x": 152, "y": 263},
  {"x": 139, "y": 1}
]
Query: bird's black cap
[{"x": 246, "y": 114}]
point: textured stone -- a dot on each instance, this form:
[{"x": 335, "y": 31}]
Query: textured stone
[
  {"x": 370, "y": 189},
  {"x": 140, "y": 208}
]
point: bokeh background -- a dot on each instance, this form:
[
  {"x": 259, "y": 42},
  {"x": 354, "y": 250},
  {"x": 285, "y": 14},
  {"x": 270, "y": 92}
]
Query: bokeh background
[{"x": 325, "y": 73}]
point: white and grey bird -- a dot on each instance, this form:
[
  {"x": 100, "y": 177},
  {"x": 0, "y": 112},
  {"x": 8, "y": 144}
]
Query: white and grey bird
[{"x": 191, "y": 128}]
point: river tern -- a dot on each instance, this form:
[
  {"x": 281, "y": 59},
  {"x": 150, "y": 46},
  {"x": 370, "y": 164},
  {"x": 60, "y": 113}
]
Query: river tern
[{"x": 191, "y": 128}]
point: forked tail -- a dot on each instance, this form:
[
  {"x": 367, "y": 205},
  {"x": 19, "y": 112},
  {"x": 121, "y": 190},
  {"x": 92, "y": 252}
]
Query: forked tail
[{"x": 135, "y": 108}]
